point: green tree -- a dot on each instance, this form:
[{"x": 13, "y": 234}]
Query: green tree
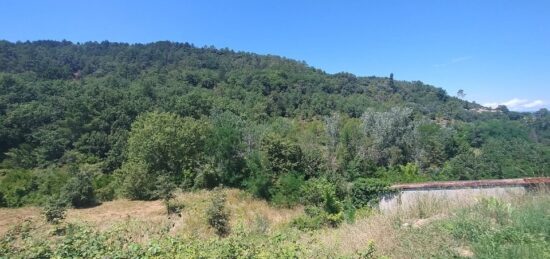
[
  {"x": 163, "y": 144},
  {"x": 79, "y": 190},
  {"x": 217, "y": 214},
  {"x": 284, "y": 155}
]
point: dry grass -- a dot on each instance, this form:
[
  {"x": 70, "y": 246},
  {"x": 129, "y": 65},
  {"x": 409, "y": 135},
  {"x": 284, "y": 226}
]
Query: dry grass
[
  {"x": 12, "y": 217},
  {"x": 408, "y": 232},
  {"x": 142, "y": 219}
]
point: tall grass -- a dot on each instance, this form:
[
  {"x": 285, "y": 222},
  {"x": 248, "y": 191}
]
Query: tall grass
[
  {"x": 506, "y": 229},
  {"x": 511, "y": 227}
]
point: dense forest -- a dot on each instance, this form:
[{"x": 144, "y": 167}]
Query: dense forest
[{"x": 90, "y": 122}]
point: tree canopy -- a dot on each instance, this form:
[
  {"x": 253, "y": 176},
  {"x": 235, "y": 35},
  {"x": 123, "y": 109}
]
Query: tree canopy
[{"x": 143, "y": 114}]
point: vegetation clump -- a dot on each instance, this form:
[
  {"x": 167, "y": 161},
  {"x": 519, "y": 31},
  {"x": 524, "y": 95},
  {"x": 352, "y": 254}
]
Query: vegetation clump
[
  {"x": 54, "y": 211},
  {"x": 217, "y": 214}
]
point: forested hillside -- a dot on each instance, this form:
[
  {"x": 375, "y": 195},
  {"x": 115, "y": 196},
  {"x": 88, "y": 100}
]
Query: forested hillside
[{"x": 95, "y": 121}]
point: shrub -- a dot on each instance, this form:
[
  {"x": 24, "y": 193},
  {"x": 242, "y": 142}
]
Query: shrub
[
  {"x": 104, "y": 187},
  {"x": 367, "y": 253},
  {"x": 207, "y": 176},
  {"x": 367, "y": 191},
  {"x": 259, "y": 185},
  {"x": 287, "y": 190},
  {"x": 2, "y": 200},
  {"x": 322, "y": 205},
  {"x": 284, "y": 155},
  {"x": 165, "y": 191},
  {"x": 314, "y": 190},
  {"x": 333, "y": 208},
  {"x": 163, "y": 144},
  {"x": 174, "y": 206},
  {"x": 19, "y": 187},
  {"x": 79, "y": 190},
  {"x": 54, "y": 211},
  {"x": 217, "y": 214},
  {"x": 136, "y": 182}
]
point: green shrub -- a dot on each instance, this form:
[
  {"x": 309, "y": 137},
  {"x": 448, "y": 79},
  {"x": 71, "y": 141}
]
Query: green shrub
[
  {"x": 283, "y": 154},
  {"x": 19, "y": 187},
  {"x": 2, "y": 200},
  {"x": 322, "y": 205},
  {"x": 313, "y": 191},
  {"x": 367, "y": 253},
  {"x": 174, "y": 206},
  {"x": 165, "y": 191},
  {"x": 54, "y": 211},
  {"x": 367, "y": 191},
  {"x": 287, "y": 190},
  {"x": 104, "y": 186},
  {"x": 136, "y": 182},
  {"x": 207, "y": 176},
  {"x": 313, "y": 219},
  {"x": 259, "y": 185},
  {"x": 217, "y": 214},
  {"x": 79, "y": 190}
]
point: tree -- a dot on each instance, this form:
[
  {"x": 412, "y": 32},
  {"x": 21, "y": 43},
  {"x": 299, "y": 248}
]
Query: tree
[
  {"x": 227, "y": 147},
  {"x": 284, "y": 156},
  {"x": 391, "y": 135},
  {"x": 79, "y": 190},
  {"x": 163, "y": 144},
  {"x": 460, "y": 94},
  {"x": 217, "y": 214}
]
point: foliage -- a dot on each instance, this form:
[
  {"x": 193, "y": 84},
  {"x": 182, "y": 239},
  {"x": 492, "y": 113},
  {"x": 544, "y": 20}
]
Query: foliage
[
  {"x": 79, "y": 190},
  {"x": 498, "y": 229},
  {"x": 286, "y": 191},
  {"x": 165, "y": 144},
  {"x": 200, "y": 117},
  {"x": 391, "y": 134},
  {"x": 18, "y": 188},
  {"x": 82, "y": 241},
  {"x": 54, "y": 211},
  {"x": 217, "y": 214},
  {"x": 367, "y": 191},
  {"x": 284, "y": 156},
  {"x": 323, "y": 208}
]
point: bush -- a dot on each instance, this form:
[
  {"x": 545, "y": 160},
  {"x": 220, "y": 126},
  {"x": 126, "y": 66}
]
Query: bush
[
  {"x": 207, "y": 176},
  {"x": 54, "y": 211},
  {"x": 19, "y": 187},
  {"x": 323, "y": 207},
  {"x": 79, "y": 190},
  {"x": 287, "y": 190},
  {"x": 314, "y": 190},
  {"x": 259, "y": 185},
  {"x": 367, "y": 191},
  {"x": 217, "y": 214},
  {"x": 163, "y": 144},
  {"x": 174, "y": 206},
  {"x": 165, "y": 191},
  {"x": 104, "y": 186},
  {"x": 2, "y": 200},
  {"x": 136, "y": 182}
]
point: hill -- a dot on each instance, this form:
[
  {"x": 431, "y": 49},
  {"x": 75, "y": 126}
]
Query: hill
[{"x": 107, "y": 120}]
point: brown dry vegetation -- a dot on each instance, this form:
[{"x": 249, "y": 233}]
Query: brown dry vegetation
[
  {"x": 143, "y": 218},
  {"x": 412, "y": 233}
]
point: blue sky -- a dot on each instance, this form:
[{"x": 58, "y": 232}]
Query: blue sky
[{"x": 497, "y": 51}]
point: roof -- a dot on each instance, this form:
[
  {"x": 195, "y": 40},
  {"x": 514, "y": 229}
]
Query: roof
[{"x": 473, "y": 184}]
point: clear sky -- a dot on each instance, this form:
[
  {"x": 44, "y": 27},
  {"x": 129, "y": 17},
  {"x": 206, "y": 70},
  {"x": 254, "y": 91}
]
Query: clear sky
[{"x": 497, "y": 51}]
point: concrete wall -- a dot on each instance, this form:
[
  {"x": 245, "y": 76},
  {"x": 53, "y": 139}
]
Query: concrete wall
[{"x": 407, "y": 198}]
